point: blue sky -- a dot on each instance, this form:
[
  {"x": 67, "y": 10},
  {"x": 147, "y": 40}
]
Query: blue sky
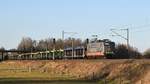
[{"x": 47, "y": 18}]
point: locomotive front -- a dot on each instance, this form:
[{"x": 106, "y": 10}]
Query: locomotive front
[{"x": 100, "y": 48}]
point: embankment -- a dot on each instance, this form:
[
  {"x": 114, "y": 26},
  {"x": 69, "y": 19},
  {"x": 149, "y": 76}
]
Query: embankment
[{"x": 112, "y": 71}]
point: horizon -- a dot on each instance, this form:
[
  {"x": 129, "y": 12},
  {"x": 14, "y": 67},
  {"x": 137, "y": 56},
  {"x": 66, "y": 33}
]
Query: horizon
[{"x": 40, "y": 19}]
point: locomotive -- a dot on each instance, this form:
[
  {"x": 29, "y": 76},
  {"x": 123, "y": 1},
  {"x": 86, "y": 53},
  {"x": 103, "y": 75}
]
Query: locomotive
[{"x": 93, "y": 49}]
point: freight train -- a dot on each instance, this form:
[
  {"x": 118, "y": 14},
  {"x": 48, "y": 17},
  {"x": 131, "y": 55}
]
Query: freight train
[{"x": 92, "y": 49}]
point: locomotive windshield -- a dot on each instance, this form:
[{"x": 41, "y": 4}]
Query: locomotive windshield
[{"x": 95, "y": 47}]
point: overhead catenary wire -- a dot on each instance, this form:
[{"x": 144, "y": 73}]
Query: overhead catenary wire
[
  {"x": 136, "y": 29},
  {"x": 142, "y": 28}
]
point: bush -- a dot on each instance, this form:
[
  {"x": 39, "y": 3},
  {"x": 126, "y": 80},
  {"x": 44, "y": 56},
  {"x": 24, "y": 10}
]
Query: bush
[{"x": 122, "y": 52}]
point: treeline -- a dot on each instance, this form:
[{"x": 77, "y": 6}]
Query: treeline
[
  {"x": 121, "y": 50},
  {"x": 27, "y": 44}
]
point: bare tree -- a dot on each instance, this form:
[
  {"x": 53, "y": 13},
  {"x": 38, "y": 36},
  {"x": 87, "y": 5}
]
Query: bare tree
[
  {"x": 122, "y": 52},
  {"x": 49, "y": 43},
  {"x": 46, "y": 44},
  {"x": 147, "y": 53},
  {"x": 59, "y": 44},
  {"x": 2, "y": 48},
  {"x": 26, "y": 44},
  {"x": 77, "y": 42},
  {"x": 41, "y": 45},
  {"x": 68, "y": 42}
]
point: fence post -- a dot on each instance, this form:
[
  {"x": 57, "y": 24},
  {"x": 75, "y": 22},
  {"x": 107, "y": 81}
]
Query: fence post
[
  {"x": 105, "y": 81},
  {"x": 141, "y": 81},
  {"x": 93, "y": 76},
  {"x": 120, "y": 78}
]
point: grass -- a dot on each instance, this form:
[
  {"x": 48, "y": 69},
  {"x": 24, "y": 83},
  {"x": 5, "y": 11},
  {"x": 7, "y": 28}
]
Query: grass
[
  {"x": 34, "y": 75},
  {"x": 9, "y": 72},
  {"x": 22, "y": 81},
  {"x": 67, "y": 70}
]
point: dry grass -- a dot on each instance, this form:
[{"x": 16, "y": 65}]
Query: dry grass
[{"x": 112, "y": 70}]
